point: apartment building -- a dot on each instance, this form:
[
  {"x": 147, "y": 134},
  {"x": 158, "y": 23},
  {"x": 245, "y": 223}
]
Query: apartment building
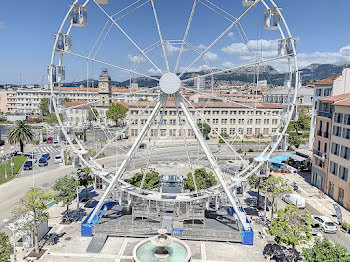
[
  {"x": 331, "y": 86},
  {"x": 331, "y": 158},
  {"x": 8, "y": 101}
]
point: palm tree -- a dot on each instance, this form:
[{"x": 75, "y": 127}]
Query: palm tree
[{"x": 20, "y": 133}]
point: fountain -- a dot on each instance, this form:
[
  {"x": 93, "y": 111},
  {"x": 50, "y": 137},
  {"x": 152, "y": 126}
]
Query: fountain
[{"x": 162, "y": 248}]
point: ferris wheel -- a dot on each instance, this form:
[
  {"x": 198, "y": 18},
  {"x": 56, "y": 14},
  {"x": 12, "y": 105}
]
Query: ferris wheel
[{"x": 173, "y": 78}]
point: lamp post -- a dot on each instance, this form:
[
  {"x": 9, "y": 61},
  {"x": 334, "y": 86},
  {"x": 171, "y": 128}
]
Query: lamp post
[
  {"x": 4, "y": 155},
  {"x": 12, "y": 227},
  {"x": 12, "y": 164}
]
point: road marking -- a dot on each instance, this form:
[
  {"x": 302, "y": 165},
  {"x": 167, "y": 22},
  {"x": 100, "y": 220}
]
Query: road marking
[
  {"x": 203, "y": 252},
  {"x": 121, "y": 251}
]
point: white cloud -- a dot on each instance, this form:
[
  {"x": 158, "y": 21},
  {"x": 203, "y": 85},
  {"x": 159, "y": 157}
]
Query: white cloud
[
  {"x": 201, "y": 46},
  {"x": 2, "y": 25},
  {"x": 196, "y": 69},
  {"x": 136, "y": 59},
  {"x": 262, "y": 47},
  {"x": 228, "y": 64},
  {"x": 231, "y": 35},
  {"x": 153, "y": 71},
  {"x": 211, "y": 56}
]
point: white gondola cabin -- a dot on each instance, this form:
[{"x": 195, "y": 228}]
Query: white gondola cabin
[
  {"x": 60, "y": 74},
  {"x": 64, "y": 43},
  {"x": 248, "y": 2},
  {"x": 272, "y": 19},
  {"x": 78, "y": 16},
  {"x": 295, "y": 114},
  {"x": 51, "y": 73},
  {"x": 288, "y": 80},
  {"x": 101, "y": 2},
  {"x": 285, "y": 46}
]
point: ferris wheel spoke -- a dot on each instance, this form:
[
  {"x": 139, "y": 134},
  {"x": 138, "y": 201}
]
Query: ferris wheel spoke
[
  {"x": 127, "y": 36},
  {"x": 187, "y": 150},
  {"x": 185, "y": 35},
  {"x": 204, "y": 56},
  {"x": 125, "y": 8},
  {"x": 111, "y": 65},
  {"x": 241, "y": 66},
  {"x": 160, "y": 35},
  {"x": 202, "y": 117},
  {"x": 143, "y": 112},
  {"x": 217, "y": 39},
  {"x": 153, "y": 144}
]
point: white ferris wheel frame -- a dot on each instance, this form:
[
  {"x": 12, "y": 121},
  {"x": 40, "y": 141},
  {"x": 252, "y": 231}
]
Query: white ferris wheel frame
[{"x": 161, "y": 100}]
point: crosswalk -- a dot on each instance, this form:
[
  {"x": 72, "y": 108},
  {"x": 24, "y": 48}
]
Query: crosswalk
[{"x": 48, "y": 149}]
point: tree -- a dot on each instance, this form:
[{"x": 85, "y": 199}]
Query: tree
[
  {"x": 152, "y": 179},
  {"x": 67, "y": 99},
  {"x": 92, "y": 115},
  {"x": 33, "y": 204},
  {"x": 51, "y": 119},
  {"x": 6, "y": 248},
  {"x": 44, "y": 106},
  {"x": 292, "y": 227},
  {"x": 325, "y": 251},
  {"x": 116, "y": 112},
  {"x": 203, "y": 180},
  {"x": 20, "y": 133},
  {"x": 85, "y": 179},
  {"x": 276, "y": 187},
  {"x": 256, "y": 182},
  {"x": 66, "y": 188},
  {"x": 204, "y": 128},
  {"x": 298, "y": 130}
]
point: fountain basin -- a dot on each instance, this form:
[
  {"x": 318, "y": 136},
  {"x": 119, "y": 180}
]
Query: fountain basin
[{"x": 178, "y": 251}]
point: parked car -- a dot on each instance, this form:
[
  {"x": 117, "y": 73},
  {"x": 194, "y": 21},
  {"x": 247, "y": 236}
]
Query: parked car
[
  {"x": 294, "y": 199},
  {"x": 58, "y": 159},
  {"x": 28, "y": 165},
  {"x": 327, "y": 225},
  {"x": 46, "y": 155},
  {"x": 55, "y": 144},
  {"x": 315, "y": 228},
  {"x": 49, "y": 140},
  {"x": 2, "y": 142},
  {"x": 142, "y": 146},
  {"x": 32, "y": 158},
  {"x": 43, "y": 161}
]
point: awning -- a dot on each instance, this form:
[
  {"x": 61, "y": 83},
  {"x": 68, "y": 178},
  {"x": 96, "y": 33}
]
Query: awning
[
  {"x": 278, "y": 159},
  {"x": 298, "y": 158},
  {"x": 287, "y": 154}
]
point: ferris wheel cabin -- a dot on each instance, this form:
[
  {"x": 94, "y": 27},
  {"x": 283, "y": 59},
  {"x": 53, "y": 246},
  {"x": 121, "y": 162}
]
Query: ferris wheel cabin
[
  {"x": 78, "y": 16},
  {"x": 285, "y": 46},
  {"x": 249, "y": 2},
  {"x": 272, "y": 19},
  {"x": 64, "y": 43}
]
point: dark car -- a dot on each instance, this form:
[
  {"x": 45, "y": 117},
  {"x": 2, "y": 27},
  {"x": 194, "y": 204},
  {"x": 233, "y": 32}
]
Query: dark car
[
  {"x": 46, "y": 155},
  {"x": 28, "y": 165},
  {"x": 43, "y": 161}
]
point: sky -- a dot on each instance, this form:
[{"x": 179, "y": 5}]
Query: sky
[{"x": 27, "y": 31}]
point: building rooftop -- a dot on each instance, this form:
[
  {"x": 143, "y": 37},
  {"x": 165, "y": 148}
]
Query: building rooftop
[
  {"x": 335, "y": 98},
  {"x": 327, "y": 81},
  {"x": 345, "y": 102}
]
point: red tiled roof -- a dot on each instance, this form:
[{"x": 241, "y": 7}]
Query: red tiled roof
[
  {"x": 335, "y": 98},
  {"x": 90, "y": 89},
  {"x": 345, "y": 102},
  {"x": 76, "y": 103},
  {"x": 327, "y": 81}
]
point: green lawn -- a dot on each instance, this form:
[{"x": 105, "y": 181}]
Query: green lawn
[{"x": 18, "y": 163}]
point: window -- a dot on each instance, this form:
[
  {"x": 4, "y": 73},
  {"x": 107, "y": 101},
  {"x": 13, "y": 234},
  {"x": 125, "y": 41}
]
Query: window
[
  {"x": 249, "y": 131},
  {"x": 318, "y": 92},
  {"x": 250, "y": 121},
  {"x": 232, "y": 131},
  {"x": 215, "y": 121},
  {"x": 240, "y": 131},
  {"x": 266, "y": 131},
  {"x": 223, "y": 121},
  {"x": 331, "y": 189},
  {"x": 257, "y": 131},
  {"x": 173, "y": 122},
  {"x": 266, "y": 121},
  {"x": 274, "y": 121},
  {"x": 335, "y": 149},
  {"x": 163, "y": 132},
  {"x": 190, "y": 132},
  {"x": 341, "y": 196},
  {"x": 153, "y": 132},
  {"x": 345, "y": 152},
  {"x": 337, "y": 131},
  {"x": 257, "y": 121},
  {"x": 135, "y": 122},
  {"x": 346, "y": 133},
  {"x": 224, "y": 130},
  {"x": 134, "y": 132},
  {"x": 143, "y": 121},
  {"x": 338, "y": 118},
  {"x": 327, "y": 92},
  {"x": 233, "y": 121},
  {"x": 325, "y": 148},
  {"x": 343, "y": 173},
  {"x": 172, "y": 132},
  {"x": 333, "y": 168},
  {"x": 241, "y": 121}
]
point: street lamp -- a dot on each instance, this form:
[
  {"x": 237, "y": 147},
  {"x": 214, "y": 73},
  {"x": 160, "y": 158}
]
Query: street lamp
[
  {"x": 12, "y": 227},
  {"x": 4, "y": 155},
  {"x": 12, "y": 164},
  {"x": 264, "y": 173}
]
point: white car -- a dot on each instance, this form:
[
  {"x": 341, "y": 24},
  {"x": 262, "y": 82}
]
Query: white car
[
  {"x": 327, "y": 225},
  {"x": 58, "y": 159},
  {"x": 295, "y": 200},
  {"x": 55, "y": 144}
]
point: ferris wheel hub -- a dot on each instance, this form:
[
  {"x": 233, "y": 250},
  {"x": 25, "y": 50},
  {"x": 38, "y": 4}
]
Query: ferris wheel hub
[{"x": 170, "y": 83}]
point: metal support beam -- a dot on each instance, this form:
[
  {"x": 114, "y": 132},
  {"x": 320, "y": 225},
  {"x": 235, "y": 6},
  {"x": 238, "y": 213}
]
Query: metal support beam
[
  {"x": 241, "y": 216},
  {"x": 127, "y": 158}
]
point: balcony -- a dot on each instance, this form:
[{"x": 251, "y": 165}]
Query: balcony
[
  {"x": 324, "y": 114},
  {"x": 326, "y": 135},
  {"x": 319, "y": 154}
]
